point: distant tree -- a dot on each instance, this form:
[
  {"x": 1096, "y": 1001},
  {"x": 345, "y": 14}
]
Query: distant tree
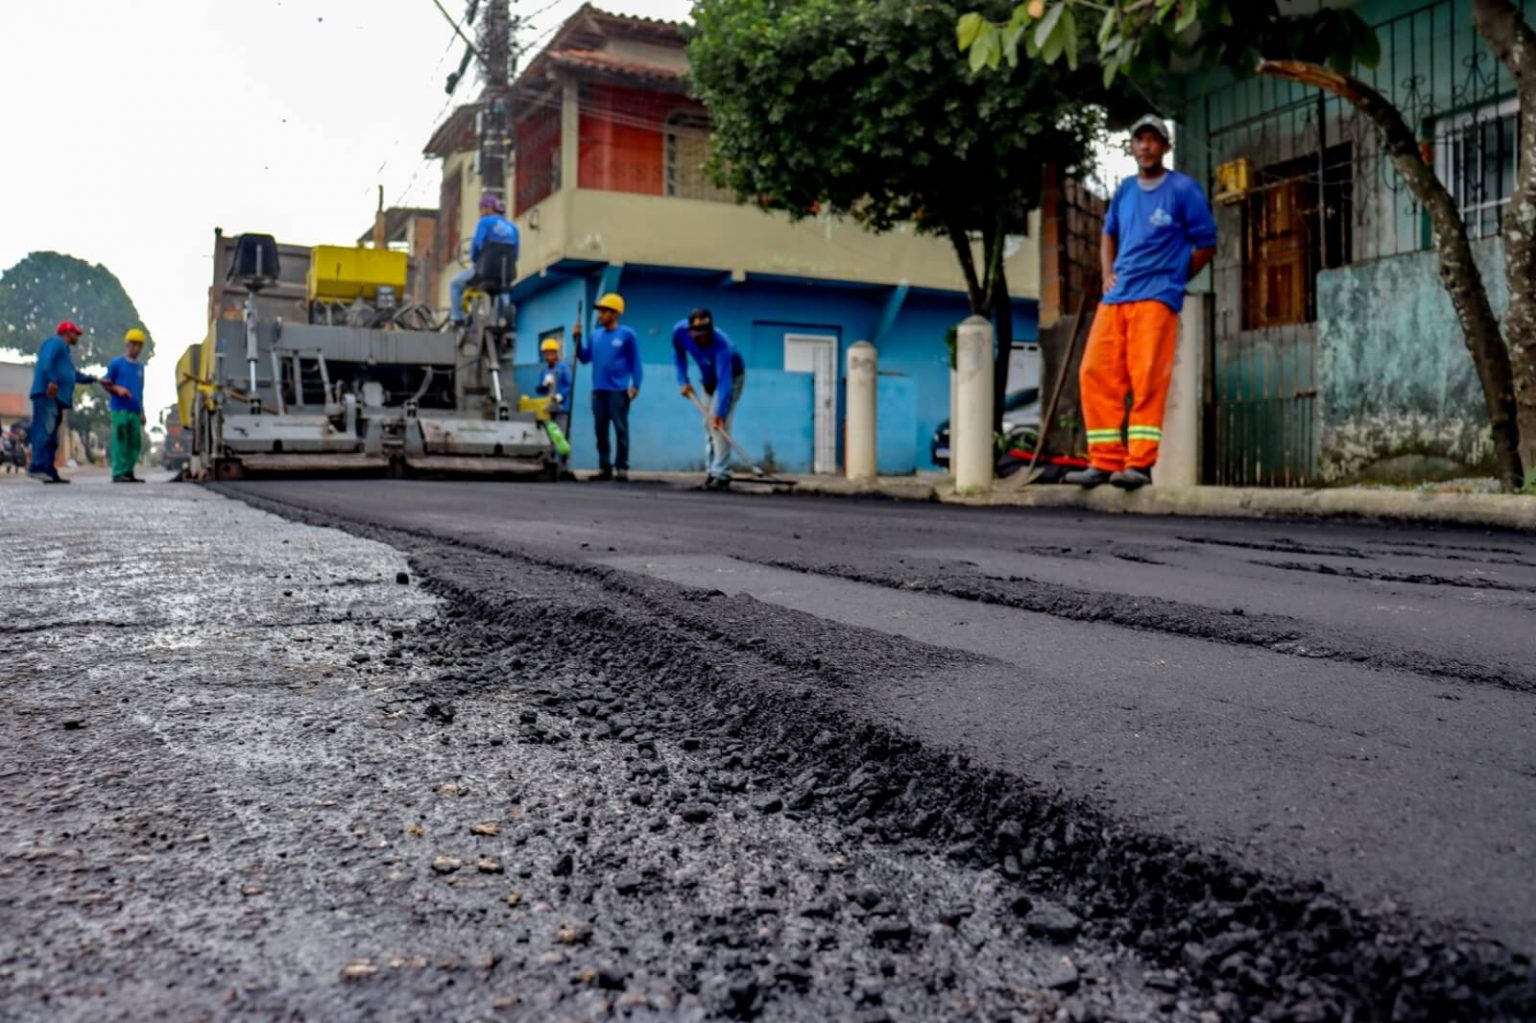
[
  {"x": 864, "y": 108},
  {"x": 46, "y": 287}
]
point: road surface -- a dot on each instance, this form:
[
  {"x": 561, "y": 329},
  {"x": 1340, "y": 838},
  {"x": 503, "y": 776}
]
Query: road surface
[{"x": 768, "y": 757}]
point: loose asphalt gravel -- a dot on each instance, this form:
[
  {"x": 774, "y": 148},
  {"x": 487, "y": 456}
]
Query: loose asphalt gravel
[{"x": 586, "y": 752}]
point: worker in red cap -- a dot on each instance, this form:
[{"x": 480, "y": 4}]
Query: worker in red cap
[{"x": 53, "y": 391}]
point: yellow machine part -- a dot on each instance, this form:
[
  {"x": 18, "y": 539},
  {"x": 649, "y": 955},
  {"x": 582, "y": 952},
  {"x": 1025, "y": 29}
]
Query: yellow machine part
[
  {"x": 338, "y": 273},
  {"x": 538, "y": 406}
]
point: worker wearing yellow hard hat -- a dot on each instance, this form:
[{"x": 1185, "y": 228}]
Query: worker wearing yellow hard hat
[
  {"x": 555, "y": 383},
  {"x": 125, "y": 379},
  {"x": 614, "y": 353}
]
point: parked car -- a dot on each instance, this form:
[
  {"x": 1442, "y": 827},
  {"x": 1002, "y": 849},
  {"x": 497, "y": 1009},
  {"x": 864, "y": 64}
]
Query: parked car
[{"x": 1021, "y": 416}]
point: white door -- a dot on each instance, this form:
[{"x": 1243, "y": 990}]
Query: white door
[{"x": 817, "y": 355}]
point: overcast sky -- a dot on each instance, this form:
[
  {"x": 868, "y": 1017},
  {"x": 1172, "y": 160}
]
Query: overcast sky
[{"x": 133, "y": 130}]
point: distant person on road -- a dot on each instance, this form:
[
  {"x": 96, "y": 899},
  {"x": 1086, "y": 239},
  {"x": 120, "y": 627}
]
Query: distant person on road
[
  {"x": 126, "y": 374},
  {"x": 493, "y": 227},
  {"x": 1158, "y": 235},
  {"x": 53, "y": 391},
  {"x": 614, "y": 353},
  {"x": 723, "y": 376},
  {"x": 555, "y": 383}
]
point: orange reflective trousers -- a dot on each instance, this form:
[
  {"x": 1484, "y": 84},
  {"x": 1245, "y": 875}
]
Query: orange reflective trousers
[{"x": 1130, "y": 352}]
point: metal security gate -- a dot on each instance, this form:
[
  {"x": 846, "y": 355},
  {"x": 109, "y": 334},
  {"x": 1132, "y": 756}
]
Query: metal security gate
[{"x": 1262, "y": 421}]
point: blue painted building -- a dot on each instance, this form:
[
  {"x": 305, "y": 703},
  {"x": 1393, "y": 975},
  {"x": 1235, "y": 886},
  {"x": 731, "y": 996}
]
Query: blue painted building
[{"x": 608, "y": 190}]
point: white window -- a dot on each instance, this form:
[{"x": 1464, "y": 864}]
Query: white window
[{"x": 1475, "y": 157}]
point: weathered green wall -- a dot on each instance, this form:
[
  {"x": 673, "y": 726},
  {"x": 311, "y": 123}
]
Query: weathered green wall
[{"x": 1395, "y": 377}]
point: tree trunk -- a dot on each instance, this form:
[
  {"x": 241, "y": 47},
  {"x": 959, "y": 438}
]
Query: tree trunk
[
  {"x": 1002, "y": 323},
  {"x": 1514, "y": 43},
  {"x": 1458, "y": 271},
  {"x": 975, "y": 293}
]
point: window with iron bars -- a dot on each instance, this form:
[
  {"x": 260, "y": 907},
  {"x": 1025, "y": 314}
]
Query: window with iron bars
[
  {"x": 687, "y": 150},
  {"x": 1475, "y": 156}
]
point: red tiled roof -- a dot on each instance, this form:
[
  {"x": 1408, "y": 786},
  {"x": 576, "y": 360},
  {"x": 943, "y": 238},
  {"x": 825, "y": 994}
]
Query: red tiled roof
[{"x": 594, "y": 60}]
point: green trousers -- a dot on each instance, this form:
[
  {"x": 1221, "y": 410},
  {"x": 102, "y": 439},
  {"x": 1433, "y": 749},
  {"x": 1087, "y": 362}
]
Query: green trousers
[{"x": 127, "y": 442}]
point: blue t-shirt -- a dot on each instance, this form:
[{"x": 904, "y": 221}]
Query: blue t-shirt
[
  {"x": 615, "y": 358},
  {"x": 1157, "y": 231},
  {"x": 124, "y": 372},
  {"x": 492, "y": 228},
  {"x": 56, "y": 366},
  {"x": 556, "y": 381},
  {"x": 719, "y": 365}
]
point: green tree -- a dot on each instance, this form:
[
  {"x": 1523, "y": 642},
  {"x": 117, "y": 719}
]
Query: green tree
[
  {"x": 862, "y": 108},
  {"x": 1143, "y": 39},
  {"x": 46, "y": 287}
]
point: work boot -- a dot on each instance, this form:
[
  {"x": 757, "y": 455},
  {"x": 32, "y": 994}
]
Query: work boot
[
  {"x": 604, "y": 475},
  {"x": 41, "y": 474},
  {"x": 123, "y": 478},
  {"x": 55, "y": 478},
  {"x": 1087, "y": 478},
  {"x": 1131, "y": 478},
  {"x": 621, "y": 475}
]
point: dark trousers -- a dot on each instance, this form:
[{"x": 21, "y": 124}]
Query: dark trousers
[
  {"x": 47, "y": 417},
  {"x": 612, "y": 407}
]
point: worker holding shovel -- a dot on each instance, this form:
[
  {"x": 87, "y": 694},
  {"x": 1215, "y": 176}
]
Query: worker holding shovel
[
  {"x": 556, "y": 383},
  {"x": 722, "y": 375}
]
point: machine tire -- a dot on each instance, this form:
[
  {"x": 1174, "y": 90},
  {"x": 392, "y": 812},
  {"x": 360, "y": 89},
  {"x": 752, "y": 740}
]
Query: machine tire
[{"x": 226, "y": 469}]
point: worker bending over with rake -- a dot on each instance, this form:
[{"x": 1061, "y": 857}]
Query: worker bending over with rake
[
  {"x": 1158, "y": 234},
  {"x": 722, "y": 375}
]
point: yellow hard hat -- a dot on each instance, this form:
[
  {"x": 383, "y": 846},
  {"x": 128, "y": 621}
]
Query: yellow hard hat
[
  {"x": 549, "y": 344},
  {"x": 135, "y": 335},
  {"x": 613, "y": 301}
]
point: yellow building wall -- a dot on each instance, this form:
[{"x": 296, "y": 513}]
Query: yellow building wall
[{"x": 660, "y": 231}]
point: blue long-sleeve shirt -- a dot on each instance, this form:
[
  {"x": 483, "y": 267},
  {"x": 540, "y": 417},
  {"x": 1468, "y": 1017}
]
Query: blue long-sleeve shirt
[
  {"x": 719, "y": 364},
  {"x": 615, "y": 358},
  {"x": 55, "y": 366},
  {"x": 493, "y": 228},
  {"x": 125, "y": 372},
  {"x": 1157, "y": 231},
  {"x": 556, "y": 381}
]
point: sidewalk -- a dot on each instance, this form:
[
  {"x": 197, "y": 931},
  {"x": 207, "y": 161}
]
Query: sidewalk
[{"x": 1497, "y": 511}]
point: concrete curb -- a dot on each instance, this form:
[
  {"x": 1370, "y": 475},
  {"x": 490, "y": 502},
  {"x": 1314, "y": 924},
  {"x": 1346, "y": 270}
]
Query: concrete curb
[{"x": 1492, "y": 511}]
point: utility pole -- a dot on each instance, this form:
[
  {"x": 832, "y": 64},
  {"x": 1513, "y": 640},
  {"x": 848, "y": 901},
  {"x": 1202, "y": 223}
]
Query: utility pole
[{"x": 496, "y": 30}]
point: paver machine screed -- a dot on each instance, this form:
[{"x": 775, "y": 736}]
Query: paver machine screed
[{"x": 313, "y": 365}]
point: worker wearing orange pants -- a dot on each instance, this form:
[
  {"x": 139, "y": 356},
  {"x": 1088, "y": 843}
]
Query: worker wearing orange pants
[
  {"x": 1130, "y": 351},
  {"x": 1158, "y": 234}
]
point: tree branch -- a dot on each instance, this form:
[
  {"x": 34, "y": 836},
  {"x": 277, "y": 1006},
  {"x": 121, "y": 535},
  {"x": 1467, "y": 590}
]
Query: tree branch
[
  {"x": 1512, "y": 40},
  {"x": 1458, "y": 269},
  {"x": 962, "y": 244}
]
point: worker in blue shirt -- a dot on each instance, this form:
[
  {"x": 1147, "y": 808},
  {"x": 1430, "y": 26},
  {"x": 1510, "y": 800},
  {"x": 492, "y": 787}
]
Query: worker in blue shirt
[
  {"x": 53, "y": 391},
  {"x": 1158, "y": 235},
  {"x": 555, "y": 383},
  {"x": 126, "y": 372},
  {"x": 614, "y": 353},
  {"x": 722, "y": 375},
  {"x": 493, "y": 227}
]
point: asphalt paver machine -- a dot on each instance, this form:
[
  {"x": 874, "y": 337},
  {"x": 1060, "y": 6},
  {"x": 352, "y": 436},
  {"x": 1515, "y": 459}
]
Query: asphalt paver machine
[{"x": 313, "y": 365}]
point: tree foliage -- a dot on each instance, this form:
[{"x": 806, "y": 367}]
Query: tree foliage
[
  {"x": 46, "y": 287},
  {"x": 861, "y": 108},
  {"x": 864, "y": 108},
  {"x": 1144, "y": 39}
]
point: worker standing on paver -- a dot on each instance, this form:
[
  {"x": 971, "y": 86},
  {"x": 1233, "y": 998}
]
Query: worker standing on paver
[
  {"x": 723, "y": 376},
  {"x": 493, "y": 227},
  {"x": 555, "y": 384},
  {"x": 614, "y": 353},
  {"x": 126, "y": 373},
  {"x": 1158, "y": 234},
  {"x": 53, "y": 391}
]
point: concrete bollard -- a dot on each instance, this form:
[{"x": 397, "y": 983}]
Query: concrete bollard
[
  {"x": 861, "y": 459},
  {"x": 971, "y": 451}
]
